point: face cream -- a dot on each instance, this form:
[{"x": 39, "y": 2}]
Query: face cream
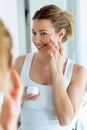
[{"x": 32, "y": 90}]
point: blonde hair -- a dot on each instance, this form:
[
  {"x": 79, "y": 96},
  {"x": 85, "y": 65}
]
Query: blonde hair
[
  {"x": 5, "y": 53},
  {"x": 60, "y": 19}
]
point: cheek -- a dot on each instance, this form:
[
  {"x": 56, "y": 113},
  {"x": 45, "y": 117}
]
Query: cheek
[
  {"x": 55, "y": 38},
  {"x": 46, "y": 39}
]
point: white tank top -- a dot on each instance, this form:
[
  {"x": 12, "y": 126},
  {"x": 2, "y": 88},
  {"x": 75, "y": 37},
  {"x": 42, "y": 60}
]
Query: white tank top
[{"x": 40, "y": 114}]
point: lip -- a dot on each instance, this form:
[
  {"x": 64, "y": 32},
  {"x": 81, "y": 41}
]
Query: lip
[{"x": 41, "y": 46}]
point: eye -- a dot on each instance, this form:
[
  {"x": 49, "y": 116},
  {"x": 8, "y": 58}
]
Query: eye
[
  {"x": 34, "y": 33},
  {"x": 44, "y": 34}
]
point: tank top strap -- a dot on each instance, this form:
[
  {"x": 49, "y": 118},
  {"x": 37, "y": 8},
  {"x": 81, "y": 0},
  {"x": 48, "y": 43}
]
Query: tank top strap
[
  {"x": 68, "y": 72},
  {"x": 24, "y": 75},
  {"x": 28, "y": 59}
]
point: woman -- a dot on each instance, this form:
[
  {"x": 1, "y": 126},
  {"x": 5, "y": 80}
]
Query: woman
[
  {"x": 11, "y": 89},
  {"x": 60, "y": 81}
]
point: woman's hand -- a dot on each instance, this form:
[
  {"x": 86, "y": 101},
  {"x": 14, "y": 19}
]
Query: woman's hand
[
  {"x": 56, "y": 55},
  {"x": 12, "y": 103},
  {"x": 29, "y": 96}
]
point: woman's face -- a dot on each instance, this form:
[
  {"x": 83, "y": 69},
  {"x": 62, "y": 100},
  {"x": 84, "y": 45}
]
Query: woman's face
[{"x": 42, "y": 32}]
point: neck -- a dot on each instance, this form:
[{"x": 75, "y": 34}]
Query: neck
[{"x": 43, "y": 57}]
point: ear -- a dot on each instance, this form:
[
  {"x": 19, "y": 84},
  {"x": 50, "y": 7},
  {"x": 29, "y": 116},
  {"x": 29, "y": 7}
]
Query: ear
[{"x": 62, "y": 33}]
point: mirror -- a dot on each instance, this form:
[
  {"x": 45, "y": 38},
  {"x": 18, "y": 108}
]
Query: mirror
[
  {"x": 19, "y": 21},
  {"x": 77, "y": 43},
  {"x": 20, "y": 13}
]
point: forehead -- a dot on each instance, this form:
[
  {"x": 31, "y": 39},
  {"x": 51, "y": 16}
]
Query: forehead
[{"x": 42, "y": 24}]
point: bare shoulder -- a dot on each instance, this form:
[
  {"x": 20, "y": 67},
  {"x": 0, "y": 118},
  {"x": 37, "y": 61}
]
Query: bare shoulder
[
  {"x": 77, "y": 85},
  {"x": 80, "y": 70},
  {"x": 19, "y": 63},
  {"x": 79, "y": 73}
]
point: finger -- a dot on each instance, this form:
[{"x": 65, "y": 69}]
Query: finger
[
  {"x": 33, "y": 97},
  {"x": 54, "y": 43},
  {"x": 61, "y": 51},
  {"x": 30, "y": 97},
  {"x": 25, "y": 89},
  {"x": 27, "y": 96},
  {"x": 53, "y": 49}
]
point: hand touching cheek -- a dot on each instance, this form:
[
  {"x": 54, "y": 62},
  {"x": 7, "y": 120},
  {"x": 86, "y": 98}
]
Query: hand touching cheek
[{"x": 56, "y": 56}]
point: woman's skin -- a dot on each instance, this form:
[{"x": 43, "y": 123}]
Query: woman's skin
[
  {"x": 10, "y": 84},
  {"x": 48, "y": 67},
  {"x": 11, "y": 104}
]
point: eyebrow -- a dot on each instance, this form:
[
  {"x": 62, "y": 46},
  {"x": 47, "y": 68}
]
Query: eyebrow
[{"x": 41, "y": 30}]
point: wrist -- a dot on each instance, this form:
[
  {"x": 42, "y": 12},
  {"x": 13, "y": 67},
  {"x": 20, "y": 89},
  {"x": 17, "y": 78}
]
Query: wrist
[{"x": 57, "y": 74}]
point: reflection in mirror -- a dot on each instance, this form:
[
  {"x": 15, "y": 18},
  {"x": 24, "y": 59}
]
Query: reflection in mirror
[
  {"x": 76, "y": 42},
  {"x": 60, "y": 100}
]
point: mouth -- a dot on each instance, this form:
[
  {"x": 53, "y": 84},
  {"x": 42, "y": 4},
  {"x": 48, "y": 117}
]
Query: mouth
[{"x": 41, "y": 46}]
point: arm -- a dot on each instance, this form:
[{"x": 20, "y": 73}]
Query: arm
[
  {"x": 69, "y": 101},
  {"x": 11, "y": 105},
  {"x": 66, "y": 102}
]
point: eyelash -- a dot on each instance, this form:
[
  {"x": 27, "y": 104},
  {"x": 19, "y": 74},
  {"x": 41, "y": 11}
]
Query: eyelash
[
  {"x": 33, "y": 33},
  {"x": 42, "y": 33}
]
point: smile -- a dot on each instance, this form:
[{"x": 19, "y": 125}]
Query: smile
[{"x": 41, "y": 46}]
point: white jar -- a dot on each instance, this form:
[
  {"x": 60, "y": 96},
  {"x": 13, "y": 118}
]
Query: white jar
[{"x": 32, "y": 90}]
